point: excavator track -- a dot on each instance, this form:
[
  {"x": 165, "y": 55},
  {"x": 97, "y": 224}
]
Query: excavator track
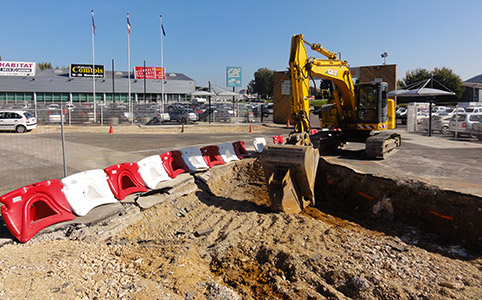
[{"x": 382, "y": 144}]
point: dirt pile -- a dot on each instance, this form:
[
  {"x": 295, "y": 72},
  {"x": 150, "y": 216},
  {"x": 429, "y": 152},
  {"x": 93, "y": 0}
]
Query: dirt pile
[{"x": 222, "y": 242}]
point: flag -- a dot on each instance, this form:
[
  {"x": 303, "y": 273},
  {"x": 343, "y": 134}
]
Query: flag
[
  {"x": 93, "y": 24},
  {"x": 162, "y": 29},
  {"x": 128, "y": 25}
]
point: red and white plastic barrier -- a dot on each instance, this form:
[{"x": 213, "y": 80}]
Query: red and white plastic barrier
[
  {"x": 86, "y": 190},
  {"x": 194, "y": 159},
  {"x": 259, "y": 144},
  {"x": 124, "y": 179},
  {"x": 240, "y": 149},
  {"x": 212, "y": 156},
  {"x": 278, "y": 139},
  {"x": 29, "y": 209},
  {"x": 152, "y": 171},
  {"x": 174, "y": 163},
  {"x": 226, "y": 150}
]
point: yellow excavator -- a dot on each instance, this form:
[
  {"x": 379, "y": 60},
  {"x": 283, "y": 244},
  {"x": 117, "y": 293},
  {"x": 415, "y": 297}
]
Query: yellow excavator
[{"x": 352, "y": 114}]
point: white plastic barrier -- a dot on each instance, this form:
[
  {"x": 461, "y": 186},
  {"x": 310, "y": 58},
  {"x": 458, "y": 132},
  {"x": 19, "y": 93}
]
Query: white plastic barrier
[
  {"x": 152, "y": 171},
  {"x": 194, "y": 159},
  {"x": 227, "y": 152},
  {"x": 86, "y": 190},
  {"x": 259, "y": 144}
]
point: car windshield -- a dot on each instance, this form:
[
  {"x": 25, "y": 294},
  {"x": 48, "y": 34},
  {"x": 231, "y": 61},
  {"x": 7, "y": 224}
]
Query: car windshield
[{"x": 469, "y": 109}]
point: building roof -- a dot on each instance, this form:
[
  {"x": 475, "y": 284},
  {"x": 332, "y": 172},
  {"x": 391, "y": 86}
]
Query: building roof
[{"x": 58, "y": 81}]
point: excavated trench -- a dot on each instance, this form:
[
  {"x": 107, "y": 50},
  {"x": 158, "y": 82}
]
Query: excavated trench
[
  {"x": 396, "y": 206},
  {"x": 335, "y": 253}
]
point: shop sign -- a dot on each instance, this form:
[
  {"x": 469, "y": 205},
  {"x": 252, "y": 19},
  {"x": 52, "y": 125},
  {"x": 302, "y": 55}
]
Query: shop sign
[
  {"x": 13, "y": 68},
  {"x": 86, "y": 71}
]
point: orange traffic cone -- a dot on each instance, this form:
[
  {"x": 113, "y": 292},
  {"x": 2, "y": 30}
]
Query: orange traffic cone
[
  {"x": 288, "y": 123},
  {"x": 182, "y": 128},
  {"x": 250, "y": 128},
  {"x": 111, "y": 130}
]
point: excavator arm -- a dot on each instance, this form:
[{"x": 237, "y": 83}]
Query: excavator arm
[{"x": 302, "y": 68}]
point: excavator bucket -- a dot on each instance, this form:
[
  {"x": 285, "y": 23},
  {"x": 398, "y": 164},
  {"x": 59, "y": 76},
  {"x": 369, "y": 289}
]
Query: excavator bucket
[{"x": 290, "y": 173}]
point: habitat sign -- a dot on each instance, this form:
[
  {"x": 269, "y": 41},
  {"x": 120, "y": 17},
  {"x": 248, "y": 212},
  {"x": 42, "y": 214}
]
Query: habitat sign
[
  {"x": 86, "y": 71},
  {"x": 13, "y": 68}
]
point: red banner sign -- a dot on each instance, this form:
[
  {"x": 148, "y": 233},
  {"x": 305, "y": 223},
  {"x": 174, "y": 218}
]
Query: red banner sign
[{"x": 149, "y": 73}]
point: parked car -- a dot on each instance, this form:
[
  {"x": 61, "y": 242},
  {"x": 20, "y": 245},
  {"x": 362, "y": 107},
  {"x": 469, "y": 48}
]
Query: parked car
[
  {"x": 54, "y": 113},
  {"x": 161, "y": 117},
  {"x": 77, "y": 115},
  {"x": 439, "y": 123},
  {"x": 473, "y": 109},
  {"x": 477, "y": 130},
  {"x": 437, "y": 110},
  {"x": 19, "y": 121},
  {"x": 461, "y": 124},
  {"x": 401, "y": 114},
  {"x": 117, "y": 111},
  {"x": 19, "y": 106},
  {"x": 183, "y": 115}
]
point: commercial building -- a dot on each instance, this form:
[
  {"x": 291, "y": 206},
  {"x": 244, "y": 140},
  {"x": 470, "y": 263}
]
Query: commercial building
[{"x": 24, "y": 83}]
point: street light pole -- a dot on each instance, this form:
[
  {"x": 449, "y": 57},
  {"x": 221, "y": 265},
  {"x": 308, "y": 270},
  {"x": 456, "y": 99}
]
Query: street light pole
[{"x": 384, "y": 56}]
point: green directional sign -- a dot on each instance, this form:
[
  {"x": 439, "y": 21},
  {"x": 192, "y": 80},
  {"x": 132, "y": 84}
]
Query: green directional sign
[{"x": 233, "y": 76}]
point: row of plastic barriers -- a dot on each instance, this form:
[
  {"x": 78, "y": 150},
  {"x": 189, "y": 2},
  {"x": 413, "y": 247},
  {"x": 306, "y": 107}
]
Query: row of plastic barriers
[{"x": 29, "y": 209}]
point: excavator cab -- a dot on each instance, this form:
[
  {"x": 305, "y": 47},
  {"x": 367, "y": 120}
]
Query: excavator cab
[{"x": 372, "y": 103}]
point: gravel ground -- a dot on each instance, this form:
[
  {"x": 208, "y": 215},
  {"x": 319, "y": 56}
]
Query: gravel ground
[{"x": 222, "y": 242}]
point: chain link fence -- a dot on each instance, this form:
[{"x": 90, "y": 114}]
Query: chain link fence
[{"x": 35, "y": 156}]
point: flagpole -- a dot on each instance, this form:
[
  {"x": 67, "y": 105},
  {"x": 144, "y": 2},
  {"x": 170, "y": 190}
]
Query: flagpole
[
  {"x": 93, "y": 66},
  {"x": 131, "y": 111},
  {"x": 163, "y": 73}
]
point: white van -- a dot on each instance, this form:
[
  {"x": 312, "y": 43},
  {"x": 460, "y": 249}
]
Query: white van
[{"x": 18, "y": 121}]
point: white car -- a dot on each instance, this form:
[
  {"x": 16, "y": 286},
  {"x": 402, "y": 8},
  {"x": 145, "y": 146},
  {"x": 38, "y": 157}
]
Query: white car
[
  {"x": 477, "y": 130},
  {"x": 461, "y": 124},
  {"x": 473, "y": 109},
  {"x": 19, "y": 121}
]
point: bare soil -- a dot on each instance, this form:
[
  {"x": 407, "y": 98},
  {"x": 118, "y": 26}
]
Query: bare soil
[{"x": 222, "y": 242}]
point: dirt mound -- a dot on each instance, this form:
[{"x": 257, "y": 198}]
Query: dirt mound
[{"x": 222, "y": 242}]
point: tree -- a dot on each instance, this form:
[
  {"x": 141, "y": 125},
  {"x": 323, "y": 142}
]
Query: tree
[
  {"x": 262, "y": 83},
  {"x": 444, "y": 75},
  {"x": 44, "y": 66}
]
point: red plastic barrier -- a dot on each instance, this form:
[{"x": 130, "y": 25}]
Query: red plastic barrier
[
  {"x": 174, "y": 163},
  {"x": 29, "y": 209},
  {"x": 240, "y": 149},
  {"x": 278, "y": 139},
  {"x": 313, "y": 131},
  {"x": 125, "y": 179},
  {"x": 212, "y": 156}
]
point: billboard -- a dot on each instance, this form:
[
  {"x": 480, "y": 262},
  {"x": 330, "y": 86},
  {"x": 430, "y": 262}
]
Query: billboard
[
  {"x": 233, "y": 76},
  {"x": 13, "y": 68},
  {"x": 150, "y": 73},
  {"x": 77, "y": 70}
]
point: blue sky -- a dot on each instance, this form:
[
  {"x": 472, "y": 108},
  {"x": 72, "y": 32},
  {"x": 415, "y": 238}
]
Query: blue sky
[{"x": 204, "y": 37}]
